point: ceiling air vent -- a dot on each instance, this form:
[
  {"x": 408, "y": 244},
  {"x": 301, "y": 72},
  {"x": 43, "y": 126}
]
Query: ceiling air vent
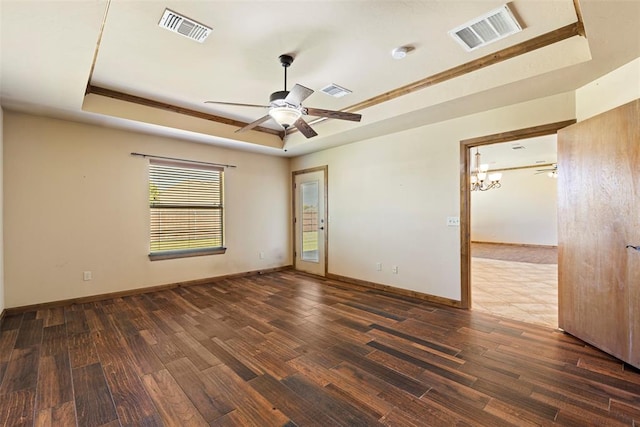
[
  {"x": 486, "y": 29},
  {"x": 335, "y": 90},
  {"x": 182, "y": 25}
]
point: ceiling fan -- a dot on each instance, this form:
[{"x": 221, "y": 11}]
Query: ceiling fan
[
  {"x": 285, "y": 107},
  {"x": 552, "y": 172}
]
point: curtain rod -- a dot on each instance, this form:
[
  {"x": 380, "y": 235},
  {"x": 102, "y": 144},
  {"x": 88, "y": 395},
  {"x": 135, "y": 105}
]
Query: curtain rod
[{"x": 182, "y": 160}]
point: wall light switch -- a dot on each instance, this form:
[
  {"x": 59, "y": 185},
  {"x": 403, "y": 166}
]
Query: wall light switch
[
  {"x": 453, "y": 221},
  {"x": 86, "y": 276},
  {"x": 378, "y": 266},
  {"x": 394, "y": 269}
]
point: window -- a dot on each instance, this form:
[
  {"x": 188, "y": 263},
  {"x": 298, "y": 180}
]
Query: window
[{"x": 186, "y": 210}]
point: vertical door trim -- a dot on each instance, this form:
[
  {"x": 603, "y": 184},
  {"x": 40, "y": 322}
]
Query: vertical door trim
[
  {"x": 324, "y": 169},
  {"x": 466, "y": 145}
]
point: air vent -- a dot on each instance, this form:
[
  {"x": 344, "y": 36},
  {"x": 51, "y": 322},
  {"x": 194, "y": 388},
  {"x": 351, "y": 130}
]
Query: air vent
[
  {"x": 486, "y": 29},
  {"x": 182, "y": 25},
  {"x": 335, "y": 90}
]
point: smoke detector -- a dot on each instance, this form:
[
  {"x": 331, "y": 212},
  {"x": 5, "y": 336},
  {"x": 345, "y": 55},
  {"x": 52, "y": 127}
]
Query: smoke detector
[
  {"x": 486, "y": 29},
  {"x": 184, "y": 26},
  {"x": 399, "y": 52}
]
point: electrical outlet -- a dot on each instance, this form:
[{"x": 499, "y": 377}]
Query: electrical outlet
[
  {"x": 453, "y": 221},
  {"x": 378, "y": 266},
  {"x": 394, "y": 269},
  {"x": 86, "y": 276}
]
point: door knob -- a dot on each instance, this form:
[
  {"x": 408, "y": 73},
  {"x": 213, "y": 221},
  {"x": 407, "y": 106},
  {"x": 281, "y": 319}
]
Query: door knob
[{"x": 637, "y": 248}]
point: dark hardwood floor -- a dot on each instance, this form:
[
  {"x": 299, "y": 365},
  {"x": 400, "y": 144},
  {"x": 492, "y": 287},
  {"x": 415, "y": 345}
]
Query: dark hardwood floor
[{"x": 286, "y": 349}]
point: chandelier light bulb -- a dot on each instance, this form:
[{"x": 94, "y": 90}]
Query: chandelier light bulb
[{"x": 479, "y": 176}]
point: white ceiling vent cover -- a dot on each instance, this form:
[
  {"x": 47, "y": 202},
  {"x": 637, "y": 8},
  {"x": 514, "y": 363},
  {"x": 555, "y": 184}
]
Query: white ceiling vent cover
[
  {"x": 182, "y": 25},
  {"x": 486, "y": 29},
  {"x": 335, "y": 90}
]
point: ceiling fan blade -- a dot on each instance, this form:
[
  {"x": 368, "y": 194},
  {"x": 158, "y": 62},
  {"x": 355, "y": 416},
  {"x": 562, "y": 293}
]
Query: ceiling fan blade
[
  {"x": 342, "y": 115},
  {"x": 236, "y": 104},
  {"x": 298, "y": 94},
  {"x": 254, "y": 123},
  {"x": 304, "y": 128}
]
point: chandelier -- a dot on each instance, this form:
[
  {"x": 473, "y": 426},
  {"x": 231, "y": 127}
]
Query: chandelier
[{"x": 481, "y": 179}]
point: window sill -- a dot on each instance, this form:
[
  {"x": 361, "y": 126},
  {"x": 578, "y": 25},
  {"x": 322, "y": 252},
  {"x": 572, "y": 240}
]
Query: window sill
[{"x": 186, "y": 253}]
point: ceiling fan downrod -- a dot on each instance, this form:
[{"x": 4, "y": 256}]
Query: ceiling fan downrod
[{"x": 285, "y": 61}]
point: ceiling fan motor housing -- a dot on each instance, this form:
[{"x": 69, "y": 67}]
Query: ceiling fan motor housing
[{"x": 286, "y": 60}]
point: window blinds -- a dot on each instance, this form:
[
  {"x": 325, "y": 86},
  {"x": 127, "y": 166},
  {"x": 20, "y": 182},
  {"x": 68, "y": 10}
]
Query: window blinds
[{"x": 186, "y": 206}]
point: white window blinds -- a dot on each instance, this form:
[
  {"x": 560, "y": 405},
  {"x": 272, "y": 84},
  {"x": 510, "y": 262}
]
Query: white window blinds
[{"x": 186, "y": 207}]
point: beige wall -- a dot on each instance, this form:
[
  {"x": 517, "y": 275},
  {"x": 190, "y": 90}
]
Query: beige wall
[
  {"x": 389, "y": 197},
  {"x": 76, "y": 200},
  {"x": 523, "y": 211},
  {"x": 609, "y": 91}
]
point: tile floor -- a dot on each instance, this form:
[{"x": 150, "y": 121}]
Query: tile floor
[{"x": 516, "y": 290}]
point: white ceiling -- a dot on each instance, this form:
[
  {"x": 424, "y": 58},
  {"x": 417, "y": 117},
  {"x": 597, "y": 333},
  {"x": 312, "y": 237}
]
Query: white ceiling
[
  {"x": 51, "y": 50},
  {"x": 541, "y": 150}
]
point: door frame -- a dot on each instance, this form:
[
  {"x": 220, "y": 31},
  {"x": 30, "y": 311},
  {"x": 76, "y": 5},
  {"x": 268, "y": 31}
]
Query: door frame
[
  {"x": 324, "y": 169},
  {"x": 466, "y": 145}
]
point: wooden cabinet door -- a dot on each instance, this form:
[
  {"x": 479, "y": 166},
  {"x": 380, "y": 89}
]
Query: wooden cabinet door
[{"x": 598, "y": 216}]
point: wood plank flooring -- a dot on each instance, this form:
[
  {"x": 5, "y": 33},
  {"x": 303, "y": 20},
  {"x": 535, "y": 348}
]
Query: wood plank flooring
[{"x": 285, "y": 349}]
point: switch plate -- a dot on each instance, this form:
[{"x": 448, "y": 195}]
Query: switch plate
[
  {"x": 86, "y": 276},
  {"x": 394, "y": 269},
  {"x": 453, "y": 221},
  {"x": 378, "y": 266},
  {"x": 261, "y": 255}
]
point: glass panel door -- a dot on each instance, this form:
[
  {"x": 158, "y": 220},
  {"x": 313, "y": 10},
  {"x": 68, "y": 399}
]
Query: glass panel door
[
  {"x": 310, "y": 228},
  {"x": 310, "y": 225}
]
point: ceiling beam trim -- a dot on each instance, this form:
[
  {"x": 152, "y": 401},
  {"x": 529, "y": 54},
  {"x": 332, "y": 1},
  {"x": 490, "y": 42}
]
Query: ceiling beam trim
[
  {"x": 96, "y": 90},
  {"x": 555, "y": 36}
]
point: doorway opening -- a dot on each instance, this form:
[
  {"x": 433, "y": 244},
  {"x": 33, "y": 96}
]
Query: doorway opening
[
  {"x": 498, "y": 273},
  {"x": 514, "y": 233}
]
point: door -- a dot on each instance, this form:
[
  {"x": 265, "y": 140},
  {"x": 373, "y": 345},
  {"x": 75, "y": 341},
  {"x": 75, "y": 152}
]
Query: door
[
  {"x": 598, "y": 217},
  {"x": 310, "y": 228}
]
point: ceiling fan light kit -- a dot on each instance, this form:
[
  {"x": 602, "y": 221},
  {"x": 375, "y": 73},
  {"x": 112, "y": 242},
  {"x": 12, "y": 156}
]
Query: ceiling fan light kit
[
  {"x": 285, "y": 107},
  {"x": 285, "y": 116},
  {"x": 551, "y": 173}
]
